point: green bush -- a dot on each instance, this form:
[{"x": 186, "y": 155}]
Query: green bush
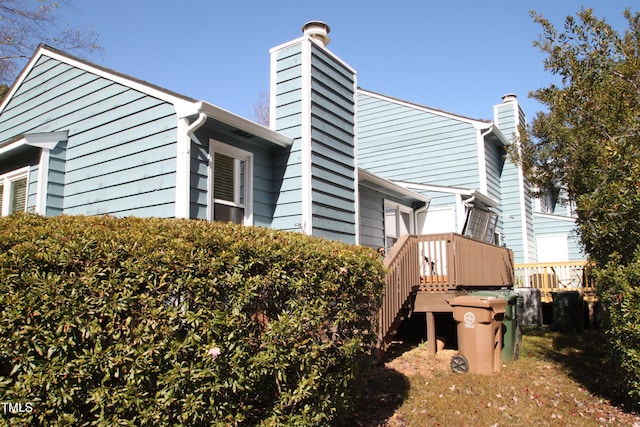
[
  {"x": 132, "y": 321},
  {"x": 619, "y": 291}
]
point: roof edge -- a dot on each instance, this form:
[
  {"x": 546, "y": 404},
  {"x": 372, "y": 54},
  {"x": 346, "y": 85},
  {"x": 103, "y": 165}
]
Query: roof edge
[
  {"x": 483, "y": 198},
  {"x": 477, "y": 123},
  {"x": 364, "y": 174},
  {"x": 243, "y": 124}
]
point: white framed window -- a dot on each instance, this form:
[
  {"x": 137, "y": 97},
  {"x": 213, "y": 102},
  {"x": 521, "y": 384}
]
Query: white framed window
[
  {"x": 13, "y": 191},
  {"x": 230, "y": 184},
  {"x": 398, "y": 220},
  {"x": 480, "y": 224}
]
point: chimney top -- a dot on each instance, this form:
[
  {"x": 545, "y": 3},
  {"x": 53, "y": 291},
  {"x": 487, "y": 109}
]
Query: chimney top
[
  {"x": 317, "y": 30},
  {"x": 509, "y": 97}
]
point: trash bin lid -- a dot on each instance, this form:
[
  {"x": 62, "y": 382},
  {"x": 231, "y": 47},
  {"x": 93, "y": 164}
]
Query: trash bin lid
[
  {"x": 510, "y": 296},
  {"x": 498, "y": 305}
]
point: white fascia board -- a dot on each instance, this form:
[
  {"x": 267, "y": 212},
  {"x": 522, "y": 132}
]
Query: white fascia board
[
  {"x": 493, "y": 129},
  {"x": 486, "y": 200},
  {"x": 364, "y": 175},
  {"x": 12, "y": 145},
  {"x": 46, "y": 140},
  {"x": 243, "y": 124},
  {"x": 16, "y": 84},
  {"x": 501, "y": 136},
  {"x": 305, "y": 143},
  {"x": 477, "y": 124},
  {"x": 556, "y": 217},
  {"x": 139, "y": 85}
]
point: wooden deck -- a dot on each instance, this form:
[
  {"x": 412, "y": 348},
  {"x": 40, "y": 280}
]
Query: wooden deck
[
  {"x": 556, "y": 277},
  {"x": 425, "y": 271}
]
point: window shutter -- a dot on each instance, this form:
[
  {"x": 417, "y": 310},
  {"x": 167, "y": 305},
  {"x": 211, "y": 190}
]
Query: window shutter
[
  {"x": 223, "y": 177},
  {"x": 18, "y": 197},
  {"x": 1, "y": 197}
]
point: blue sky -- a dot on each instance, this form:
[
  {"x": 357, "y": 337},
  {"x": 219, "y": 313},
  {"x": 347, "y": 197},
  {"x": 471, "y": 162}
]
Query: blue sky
[{"x": 459, "y": 56}]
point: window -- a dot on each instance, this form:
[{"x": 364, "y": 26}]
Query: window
[
  {"x": 480, "y": 224},
  {"x": 398, "y": 220},
  {"x": 13, "y": 192},
  {"x": 230, "y": 183}
]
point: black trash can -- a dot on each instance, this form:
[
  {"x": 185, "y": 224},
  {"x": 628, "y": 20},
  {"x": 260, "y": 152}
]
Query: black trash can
[{"x": 568, "y": 311}]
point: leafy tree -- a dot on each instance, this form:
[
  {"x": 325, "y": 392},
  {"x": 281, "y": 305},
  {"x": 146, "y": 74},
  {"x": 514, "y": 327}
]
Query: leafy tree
[
  {"x": 26, "y": 23},
  {"x": 588, "y": 142}
]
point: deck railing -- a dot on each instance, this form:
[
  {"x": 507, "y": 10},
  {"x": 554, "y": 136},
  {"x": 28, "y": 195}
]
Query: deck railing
[
  {"x": 554, "y": 277},
  {"x": 438, "y": 263}
]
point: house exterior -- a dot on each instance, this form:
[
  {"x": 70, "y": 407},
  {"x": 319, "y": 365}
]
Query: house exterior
[
  {"x": 337, "y": 161},
  {"x": 77, "y": 138},
  {"x": 462, "y": 165}
]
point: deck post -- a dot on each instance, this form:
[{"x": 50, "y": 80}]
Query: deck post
[{"x": 431, "y": 334}]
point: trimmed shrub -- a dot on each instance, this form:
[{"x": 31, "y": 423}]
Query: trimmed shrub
[
  {"x": 133, "y": 321},
  {"x": 619, "y": 291}
]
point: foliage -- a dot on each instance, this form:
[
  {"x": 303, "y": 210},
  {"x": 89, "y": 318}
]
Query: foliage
[
  {"x": 589, "y": 140},
  {"x": 110, "y": 321},
  {"x": 589, "y": 144},
  {"x": 619, "y": 291},
  {"x": 24, "y": 24}
]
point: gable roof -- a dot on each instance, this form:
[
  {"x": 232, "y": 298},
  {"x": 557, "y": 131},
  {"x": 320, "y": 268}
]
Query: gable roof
[
  {"x": 185, "y": 106},
  {"x": 480, "y": 124}
]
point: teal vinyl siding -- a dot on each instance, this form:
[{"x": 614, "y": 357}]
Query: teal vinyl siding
[
  {"x": 512, "y": 210},
  {"x": 546, "y": 225},
  {"x": 371, "y": 217},
  {"x": 517, "y": 206},
  {"x": 400, "y": 142},
  {"x": 288, "y": 121},
  {"x": 372, "y": 204},
  {"x": 328, "y": 94},
  {"x": 199, "y": 179},
  {"x": 56, "y": 180},
  {"x": 333, "y": 166},
  {"x": 32, "y": 183},
  {"x": 263, "y": 171},
  {"x": 494, "y": 160},
  {"x": 120, "y": 153}
]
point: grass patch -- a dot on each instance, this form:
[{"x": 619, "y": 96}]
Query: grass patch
[{"x": 558, "y": 380}]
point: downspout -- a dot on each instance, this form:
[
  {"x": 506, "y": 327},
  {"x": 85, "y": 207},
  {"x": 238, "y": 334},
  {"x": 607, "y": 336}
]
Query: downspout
[
  {"x": 183, "y": 162},
  {"x": 483, "y": 165},
  {"x": 202, "y": 117},
  {"x": 418, "y": 211}
]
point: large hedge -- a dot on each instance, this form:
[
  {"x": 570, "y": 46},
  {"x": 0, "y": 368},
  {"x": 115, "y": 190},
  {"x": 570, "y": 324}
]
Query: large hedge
[
  {"x": 619, "y": 291},
  {"x": 109, "y": 321}
]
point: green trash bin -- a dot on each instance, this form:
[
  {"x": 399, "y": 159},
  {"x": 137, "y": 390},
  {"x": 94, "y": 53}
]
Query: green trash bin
[
  {"x": 567, "y": 311},
  {"x": 511, "y": 330}
]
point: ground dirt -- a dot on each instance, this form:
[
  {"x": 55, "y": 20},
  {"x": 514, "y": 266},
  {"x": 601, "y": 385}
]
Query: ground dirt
[{"x": 412, "y": 388}]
